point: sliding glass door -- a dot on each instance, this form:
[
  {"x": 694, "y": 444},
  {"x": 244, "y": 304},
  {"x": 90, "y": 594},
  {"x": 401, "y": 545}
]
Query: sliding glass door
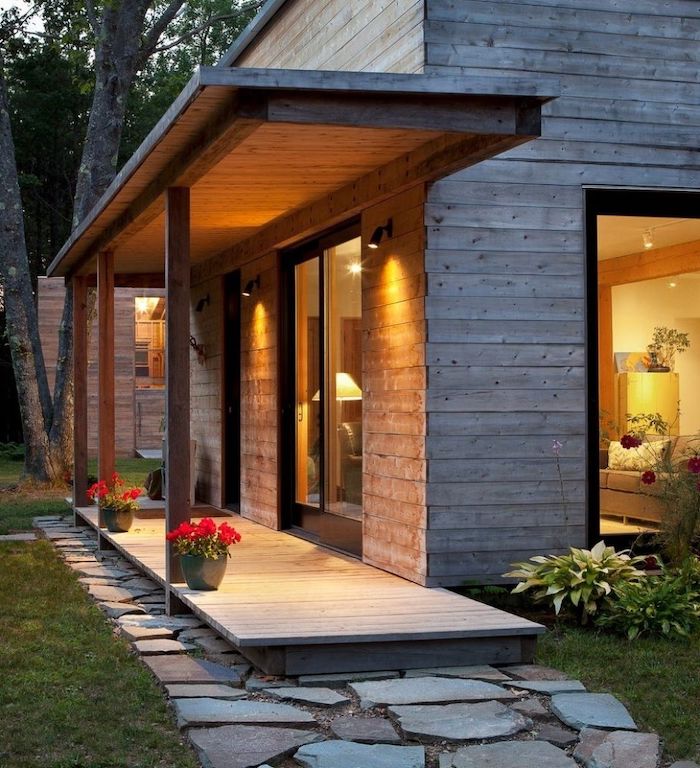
[{"x": 325, "y": 391}]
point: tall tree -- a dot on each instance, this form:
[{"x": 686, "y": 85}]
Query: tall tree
[{"x": 125, "y": 35}]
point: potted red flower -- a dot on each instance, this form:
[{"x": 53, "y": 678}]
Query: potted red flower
[
  {"x": 116, "y": 501},
  {"x": 203, "y": 549}
]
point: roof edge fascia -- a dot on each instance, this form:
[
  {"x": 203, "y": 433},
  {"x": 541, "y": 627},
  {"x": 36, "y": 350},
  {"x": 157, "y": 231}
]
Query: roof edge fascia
[{"x": 248, "y": 35}]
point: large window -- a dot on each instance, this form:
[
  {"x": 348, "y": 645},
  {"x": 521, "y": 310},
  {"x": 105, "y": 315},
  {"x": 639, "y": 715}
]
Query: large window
[
  {"x": 149, "y": 342},
  {"x": 648, "y": 281}
]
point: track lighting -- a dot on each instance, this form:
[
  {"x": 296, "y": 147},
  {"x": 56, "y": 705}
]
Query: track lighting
[
  {"x": 203, "y": 302},
  {"x": 378, "y": 234},
  {"x": 250, "y": 286}
]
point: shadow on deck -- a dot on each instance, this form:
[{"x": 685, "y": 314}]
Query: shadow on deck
[{"x": 292, "y": 607}]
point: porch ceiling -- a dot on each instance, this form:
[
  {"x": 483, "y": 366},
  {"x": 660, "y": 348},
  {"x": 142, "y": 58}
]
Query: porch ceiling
[{"x": 254, "y": 145}]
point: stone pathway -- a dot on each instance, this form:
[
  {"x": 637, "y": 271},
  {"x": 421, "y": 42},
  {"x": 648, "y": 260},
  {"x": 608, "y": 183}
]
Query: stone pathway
[{"x": 518, "y": 716}]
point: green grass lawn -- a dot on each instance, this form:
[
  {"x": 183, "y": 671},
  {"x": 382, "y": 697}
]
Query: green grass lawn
[
  {"x": 72, "y": 695},
  {"x": 658, "y": 680}
]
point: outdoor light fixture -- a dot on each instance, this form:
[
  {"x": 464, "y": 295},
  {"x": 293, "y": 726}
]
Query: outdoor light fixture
[
  {"x": 379, "y": 232},
  {"x": 251, "y": 285},
  {"x": 648, "y": 239},
  {"x": 203, "y": 302}
]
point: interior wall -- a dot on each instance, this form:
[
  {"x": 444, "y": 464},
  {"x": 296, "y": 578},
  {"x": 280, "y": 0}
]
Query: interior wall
[{"x": 639, "y": 307}]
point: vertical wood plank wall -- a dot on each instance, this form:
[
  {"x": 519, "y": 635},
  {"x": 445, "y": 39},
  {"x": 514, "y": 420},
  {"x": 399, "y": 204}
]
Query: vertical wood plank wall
[
  {"x": 365, "y": 35},
  {"x": 506, "y": 266},
  {"x": 134, "y": 408}
]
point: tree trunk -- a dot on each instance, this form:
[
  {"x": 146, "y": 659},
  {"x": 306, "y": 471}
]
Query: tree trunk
[{"x": 23, "y": 330}]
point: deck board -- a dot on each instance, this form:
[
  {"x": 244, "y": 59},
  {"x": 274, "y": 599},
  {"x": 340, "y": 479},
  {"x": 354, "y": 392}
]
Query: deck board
[{"x": 284, "y": 592}]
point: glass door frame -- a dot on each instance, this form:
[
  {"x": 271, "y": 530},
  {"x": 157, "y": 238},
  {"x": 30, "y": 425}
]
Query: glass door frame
[{"x": 304, "y": 519}]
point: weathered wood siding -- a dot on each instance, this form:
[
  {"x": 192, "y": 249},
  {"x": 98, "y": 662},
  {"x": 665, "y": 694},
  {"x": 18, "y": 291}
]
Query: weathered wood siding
[
  {"x": 364, "y": 35},
  {"x": 505, "y": 259},
  {"x": 137, "y": 412},
  {"x": 394, "y": 383}
]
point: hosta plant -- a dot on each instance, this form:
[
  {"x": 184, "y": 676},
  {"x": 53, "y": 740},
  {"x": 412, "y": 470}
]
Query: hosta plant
[
  {"x": 667, "y": 606},
  {"x": 582, "y": 578}
]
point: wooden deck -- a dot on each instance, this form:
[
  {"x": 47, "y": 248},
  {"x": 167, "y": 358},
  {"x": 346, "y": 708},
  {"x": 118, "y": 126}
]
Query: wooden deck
[{"x": 293, "y": 607}]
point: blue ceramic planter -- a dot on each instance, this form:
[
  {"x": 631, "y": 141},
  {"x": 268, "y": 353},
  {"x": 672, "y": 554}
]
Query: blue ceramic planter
[
  {"x": 117, "y": 521},
  {"x": 203, "y": 573}
]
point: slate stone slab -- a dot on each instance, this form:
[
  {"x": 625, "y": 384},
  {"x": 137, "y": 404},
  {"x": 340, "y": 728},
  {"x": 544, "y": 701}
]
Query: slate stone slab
[
  {"x": 141, "y": 583},
  {"x": 533, "y": 672},
  {"x": 560, "y": 737},
  {"x": 618, "y": 749},
  {"x": 478, "y": 672},
  {"x": 340, "y": 680},
  {"x": 146, "y": 633},
  {"x": 680, "y": 764},
  {"x": 348, "y": 754},
  {"x": 460, "y": 722},
  {"x": 509, "y": 754},
  {"x": 185, "y": 669},
  {"x": 366, "y": 730},
  {"x": 107, "y": 594},
  {"x": 549, "y": 687},
  {"x": 318, "y": 697},
  {"x": 206, "y": 712},
  {"x": 191, "y": 634},
  {"x": 596, "y": 710},
  {"x": 530, "y": 708},
  {"x": 18, "y": 537},
  {"x": 260, "y": 683},
  {"x": 423, "y": 690},
  {"x": 208, "y": 691},
  {"x": 245, "y": 746},
  {"x": 153, "y": 598},
  {"x": 94, "y": 580},
  {"x": 154, "y": 647},
  {"x": 102, "y": 571},
  {"x": 172, "y": 622},
  {"x": 214, "y": 644},
  {"x": 115, "y": 610}
]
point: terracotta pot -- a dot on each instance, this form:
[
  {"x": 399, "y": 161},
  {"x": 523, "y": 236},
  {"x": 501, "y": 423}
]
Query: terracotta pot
[
  {"x": 203, "y": 573},
  {"x": 117, "y": 521}
]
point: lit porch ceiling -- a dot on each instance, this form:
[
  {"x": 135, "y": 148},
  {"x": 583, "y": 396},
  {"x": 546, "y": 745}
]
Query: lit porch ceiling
[{"x": 254, "y": 145}]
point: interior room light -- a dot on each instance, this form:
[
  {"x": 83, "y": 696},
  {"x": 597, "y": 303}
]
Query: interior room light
[
  {"x": 345, "y": 388},
  {"x": 378, "y": 234},
  {"x": 145, "y": 305},
  {"x": 672, "y": 284},
  {"x": 648, "y": 238},
  {"x": 355, "y": 268},
  {"x": 250, "y": 286}
]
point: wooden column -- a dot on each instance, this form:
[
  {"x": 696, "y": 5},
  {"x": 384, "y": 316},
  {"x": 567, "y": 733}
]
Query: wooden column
[
  {"x": 80, "y": 395},
  {"x": 177, "y": 356},
  {"x": 606, "y": 363},
  {"x": 105, "y": 363}
]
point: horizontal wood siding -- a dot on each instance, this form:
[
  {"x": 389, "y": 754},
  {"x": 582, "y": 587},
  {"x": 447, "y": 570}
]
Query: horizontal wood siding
[
  {"x": 362, "y": 35},
  {"x": 505, "y": 259},
  {"x": 394, "y": 383},
  {"x": 133, "y": 408}
]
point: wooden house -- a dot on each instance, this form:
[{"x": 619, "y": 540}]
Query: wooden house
[
  {"x": 139, "y": 355},
  {"x": 396, "y": 212}
]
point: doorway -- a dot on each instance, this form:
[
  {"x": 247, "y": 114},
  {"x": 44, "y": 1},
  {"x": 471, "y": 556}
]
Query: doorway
[
  {"x": 322, "y": 429},
  {"x": 232, "y": 392}
]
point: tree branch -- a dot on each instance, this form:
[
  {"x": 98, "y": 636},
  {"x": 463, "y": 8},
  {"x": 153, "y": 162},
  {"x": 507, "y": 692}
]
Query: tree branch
[
  {"x": 92, "y": 17},
  {"x": 204, "y": 25},
  {"x": 151, "y": 39}
]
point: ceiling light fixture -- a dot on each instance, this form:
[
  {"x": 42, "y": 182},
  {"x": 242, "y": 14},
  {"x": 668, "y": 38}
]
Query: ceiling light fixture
[
  {"x": 378, "y": 234},
  {"x": 251, "y": 285}
]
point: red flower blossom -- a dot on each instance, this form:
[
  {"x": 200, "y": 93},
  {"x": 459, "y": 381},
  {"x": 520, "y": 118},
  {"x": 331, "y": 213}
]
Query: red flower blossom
[
  {"x": 203, "y": 538},
  {"x": 630, "y": 441},
  {"x": 649, "y": 477},
  {"x": 694, "y": 465}
]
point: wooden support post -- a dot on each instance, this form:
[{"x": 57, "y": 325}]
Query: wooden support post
[
  {"x": 80, "y": 396},
  {"x": 177, "y": 356},
  {"x": 105, "y": 362}
]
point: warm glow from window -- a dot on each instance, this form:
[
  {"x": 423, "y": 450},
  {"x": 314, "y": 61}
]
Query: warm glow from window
[{"x": 355, "y": 268}]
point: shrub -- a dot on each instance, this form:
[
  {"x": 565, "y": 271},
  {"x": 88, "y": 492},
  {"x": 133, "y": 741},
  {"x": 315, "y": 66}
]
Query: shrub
[
  {"x": 584, "y": 578},
  {"x": 665, "y": 606}
]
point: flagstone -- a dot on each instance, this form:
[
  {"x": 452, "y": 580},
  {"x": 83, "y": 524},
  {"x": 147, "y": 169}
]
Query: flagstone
[
  {"x": 349, "y": 754},
  {"x": 478, "y": 672},
  {"x": 153, "y": 598},
  {"x": 152, "y": 647},
  {"x": 191, "y": 634},
  {"x": 142, "y": 583},
  {"x": 549, "y": 687},
  {"x": 18, "y": 537},
  {"x": 530, "y": 708},
  {"x": 253, "y": 744},
  {"x": 366, "y": 730},
  {"x": 508, "y": 754},
  {"x": 560, "y": 737},
  {"x": 424, "y": 690},
  {"x": 106, "y": 594},
  {"x": 146, "y": 633},
  {"x": 340, "y": 680},
  {"x": 172, "y": 622},
  {"x": 185, "y": 669},
  {"x": 597, "y": 710},
  {"x": 533, "y": 672},
  {"x": 214, "y": 644},
  {"x": 206, "y": 712},
  {"x": 103, "y": 571},
  {"x": 204, "y": 690},
  {"x": 260, "y": 683},
  {"x": 115, "y": 610},
  {"x": 460, "y": 722},
  {"x": 618, "y": 749},
  {"x": 318, "y": 697}
]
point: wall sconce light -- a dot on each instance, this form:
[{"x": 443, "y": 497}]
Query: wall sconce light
[
  {"x": 199, "y": 349},
  {"x": 205, "y": 301},
  {"x": 648, "y": 238},
  {"x": 250, "y": 286},
  {"x": 378, "y": 234}
]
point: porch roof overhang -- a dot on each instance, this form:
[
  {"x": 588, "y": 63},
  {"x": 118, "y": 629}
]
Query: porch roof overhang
[{"x": 254, "y": 145}]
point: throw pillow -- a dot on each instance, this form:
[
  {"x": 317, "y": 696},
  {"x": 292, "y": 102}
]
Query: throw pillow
[{"x": 647, "y": 456}]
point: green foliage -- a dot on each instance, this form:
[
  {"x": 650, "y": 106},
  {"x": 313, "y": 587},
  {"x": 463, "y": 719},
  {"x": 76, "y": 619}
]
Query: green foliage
[
  {"x": 666, "y": 343},
  {"x": 666, "y": 606},
  {"x": 582, "y": 578}
]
